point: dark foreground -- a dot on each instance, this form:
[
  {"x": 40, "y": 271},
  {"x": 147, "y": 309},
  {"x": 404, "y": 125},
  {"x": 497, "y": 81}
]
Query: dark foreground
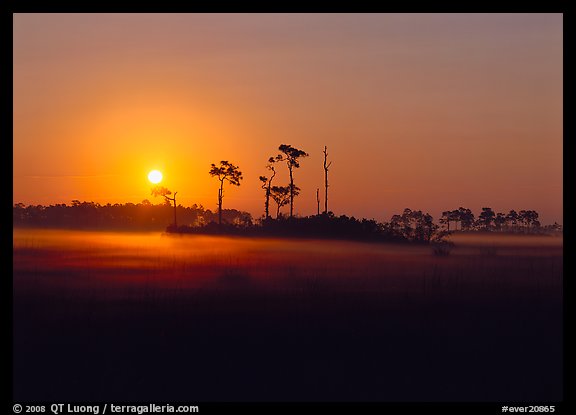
[{"x": 221, "y": 319}]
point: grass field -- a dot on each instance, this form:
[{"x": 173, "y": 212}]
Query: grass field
[{"x": 151, "y": 317}]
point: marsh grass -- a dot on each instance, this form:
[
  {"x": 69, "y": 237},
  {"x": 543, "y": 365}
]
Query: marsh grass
[
  {"x": 442, "y": 248},
  {"x": 488, "y": 251},
  {"x": 139, "y": 316}
]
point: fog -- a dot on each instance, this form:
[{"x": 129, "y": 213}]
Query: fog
[{"x": 101, "y": 260}]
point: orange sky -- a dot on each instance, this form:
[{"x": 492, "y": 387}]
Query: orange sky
[{"x": 426, "y": 111}]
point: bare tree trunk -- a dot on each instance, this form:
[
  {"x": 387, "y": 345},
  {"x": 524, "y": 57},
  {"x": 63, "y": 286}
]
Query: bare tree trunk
[
  {"x": 267, "y": 204},
  {"x": 175, "y": 223},
  {"x": 220, "y": 202},
  {"x": 291, "y": 192},
  {"x": 326, "y": 166},
  {"x": 318, "y": 200}
]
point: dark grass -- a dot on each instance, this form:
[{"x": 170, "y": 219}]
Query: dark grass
[{"x": 298, "y": 322}]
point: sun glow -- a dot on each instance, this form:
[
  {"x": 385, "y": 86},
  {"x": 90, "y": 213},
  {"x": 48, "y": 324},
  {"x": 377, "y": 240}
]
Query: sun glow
[{"x": 155, "y": 176}]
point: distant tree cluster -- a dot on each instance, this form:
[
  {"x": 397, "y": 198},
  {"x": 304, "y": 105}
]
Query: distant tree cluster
[
  {"x": 330, "y": 226},
  {"x": 127, "y": 216},
  {"x": 413, "y": 225},
  {"x": 524, "y": 221},
  {"x": 315, "y": 226}
]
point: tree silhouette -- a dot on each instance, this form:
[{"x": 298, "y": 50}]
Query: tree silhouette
[
  {"x": 225, "y": 172},
  {"x": 455, "y": 217},
  {"x": 326, "y": 166},
  {"x": 281, "y": 195},
  {"x": 449, "y": 216},
  {"x": 499, "y": 221},
  {"x": 512, "y": 219},
  {"x": 162, "y": 191},
  {"x": 267, "y": 183},
  {"x": 290, "y": 156},
  {"x": 425, "y": 226},
  {"x": 266, "y": 186},
  {"x": 529, "y": 218},
  {"x": 555, "y": 227},
  {"x": 414, "y": 225},
  {"x": 466, "y": 218},
  {"x": 486, "y": 218}
]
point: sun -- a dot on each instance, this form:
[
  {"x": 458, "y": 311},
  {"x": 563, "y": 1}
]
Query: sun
[{"x": 155, "y": 176}]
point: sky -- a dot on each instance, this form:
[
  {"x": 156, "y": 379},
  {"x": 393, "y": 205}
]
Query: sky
[{"x": 425, "y": 111}]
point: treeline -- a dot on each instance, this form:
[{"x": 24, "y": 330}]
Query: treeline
[
  {"x": 316, "y": 226},
  {"x": 127, "y": 216},
  {"x": 413, "y": 226},
  {"x": 409, "y": 226},
  {"x": 524, "y": 221}
]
